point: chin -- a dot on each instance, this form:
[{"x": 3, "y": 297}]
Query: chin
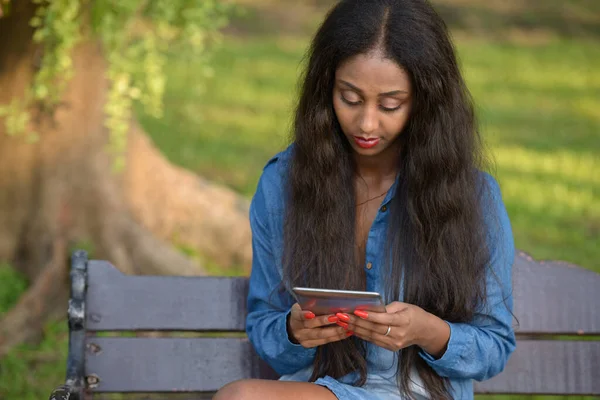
[{"x": 367, "y": 152}]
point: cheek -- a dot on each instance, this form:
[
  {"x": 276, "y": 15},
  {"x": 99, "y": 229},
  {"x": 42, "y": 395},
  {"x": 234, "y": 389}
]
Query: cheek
[{"x": 396, "y": 124}]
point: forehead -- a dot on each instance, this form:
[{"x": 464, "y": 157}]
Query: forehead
[{"x": 374, "y": 72}]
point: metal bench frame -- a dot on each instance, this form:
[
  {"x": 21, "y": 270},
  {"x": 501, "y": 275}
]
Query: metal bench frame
[{"x": 550, "y": 299}]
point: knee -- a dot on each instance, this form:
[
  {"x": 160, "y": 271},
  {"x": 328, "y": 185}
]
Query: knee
[{"x": 238, "y": 390}]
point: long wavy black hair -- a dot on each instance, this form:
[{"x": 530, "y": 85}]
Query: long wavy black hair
[{"x": 436, "y": 239}]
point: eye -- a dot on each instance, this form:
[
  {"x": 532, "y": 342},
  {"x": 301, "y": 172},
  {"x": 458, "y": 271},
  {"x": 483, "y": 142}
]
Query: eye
[
  {"x": 390, "y": 105},
  {"x": 350, "y": 98},
  {"x": 386, "y": 109}
]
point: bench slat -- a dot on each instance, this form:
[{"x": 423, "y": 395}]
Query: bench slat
[
  {"x": 549, "y": 367},
  {"x": 555, "y": 298},
  {"x": 545, "y": 295},
  {"x": 172, "y": 364},
  {"x": 204, "y": 365},
  {"x": 116, "y": 301}
]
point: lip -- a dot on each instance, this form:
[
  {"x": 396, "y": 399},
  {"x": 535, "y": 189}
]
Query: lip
[{"x": 366, "y": 143}]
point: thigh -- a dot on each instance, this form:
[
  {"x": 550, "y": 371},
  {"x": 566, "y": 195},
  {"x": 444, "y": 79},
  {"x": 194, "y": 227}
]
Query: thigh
[{"x": 257, "y": 389}]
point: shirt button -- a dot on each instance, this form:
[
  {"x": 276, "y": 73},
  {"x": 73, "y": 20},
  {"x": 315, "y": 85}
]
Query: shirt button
[
  {"x": 369, "y": 265},
  {"x": 384, "y": 209}
]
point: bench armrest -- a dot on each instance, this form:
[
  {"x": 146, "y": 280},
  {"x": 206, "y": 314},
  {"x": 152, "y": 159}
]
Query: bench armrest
[{"x": 65, "y": 392}]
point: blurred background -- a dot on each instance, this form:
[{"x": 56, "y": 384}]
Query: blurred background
[{"x": 533, "y": 68}]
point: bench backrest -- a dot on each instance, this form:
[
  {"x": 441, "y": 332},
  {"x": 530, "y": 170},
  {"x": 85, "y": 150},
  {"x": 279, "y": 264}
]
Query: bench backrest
[{"x": 550, "y": 299}]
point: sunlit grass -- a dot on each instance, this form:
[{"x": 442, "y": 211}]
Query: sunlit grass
[
  {"x": 553, "y": 202},
  {"x": 542, "y": 97},
  {"x": 536, "y": 105},
  {"x": 230, "y": 129}
]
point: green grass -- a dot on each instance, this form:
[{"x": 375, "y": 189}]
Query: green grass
[
  {"x": 231, "y": 128},
  {"x": 13, "y": 285},
  {"x": 538, "y": 109},
  {"x": 31, "y": 372}
]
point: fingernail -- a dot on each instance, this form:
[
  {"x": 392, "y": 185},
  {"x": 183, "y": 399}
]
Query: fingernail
[
  {"x": 343, "y": 317},
  {"x": 361, "y": 314},
  {"x": 333, "y": 318},
  {"x": 349, "y": 333},
  {"x": 343, "y": 324},
  {"x": 309, "y": 315}
]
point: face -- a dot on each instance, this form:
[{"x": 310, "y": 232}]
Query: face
[{"x": 372, "y": 99}]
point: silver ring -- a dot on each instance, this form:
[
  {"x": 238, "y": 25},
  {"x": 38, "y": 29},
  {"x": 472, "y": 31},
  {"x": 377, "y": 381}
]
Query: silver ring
[{"x": 388, "y": 331}]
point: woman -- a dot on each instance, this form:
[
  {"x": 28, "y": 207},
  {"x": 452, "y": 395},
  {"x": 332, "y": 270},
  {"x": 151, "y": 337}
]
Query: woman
[{"x": 382, "y": 190}]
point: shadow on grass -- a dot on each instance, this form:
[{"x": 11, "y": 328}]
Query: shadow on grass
[
  {"x": 477, "y": 16},
  {"x": 492, "y": 18}
]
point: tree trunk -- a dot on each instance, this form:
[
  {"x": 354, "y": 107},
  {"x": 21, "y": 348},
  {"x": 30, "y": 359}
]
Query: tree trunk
[{"x": 60, "y": 192}]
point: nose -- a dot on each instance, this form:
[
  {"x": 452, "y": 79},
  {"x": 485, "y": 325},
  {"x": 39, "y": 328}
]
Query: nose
[{"x": 369, "y": 121}]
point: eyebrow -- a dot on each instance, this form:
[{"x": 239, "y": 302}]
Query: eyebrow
[{"x": 393, "y": 92}]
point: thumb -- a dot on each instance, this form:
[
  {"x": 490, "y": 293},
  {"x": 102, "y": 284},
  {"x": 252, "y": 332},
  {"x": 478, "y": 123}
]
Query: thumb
[
  {"x": 396, "y": 306},
  {"x": 296, "y": 312}
]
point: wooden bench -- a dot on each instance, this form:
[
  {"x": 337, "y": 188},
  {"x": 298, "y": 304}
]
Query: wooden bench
[{"x": 550, "y": 299}]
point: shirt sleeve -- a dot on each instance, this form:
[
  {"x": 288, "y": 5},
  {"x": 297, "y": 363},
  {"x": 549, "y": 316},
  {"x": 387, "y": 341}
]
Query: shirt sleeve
[
  {"x": 479, "y": 350},
  {"x": 268, "y": 306}
]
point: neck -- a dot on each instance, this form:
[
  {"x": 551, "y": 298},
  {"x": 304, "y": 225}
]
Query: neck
[{"x": 379, "y": 168}]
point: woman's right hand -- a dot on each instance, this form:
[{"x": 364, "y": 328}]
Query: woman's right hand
[{"x": 306, "y": 329}]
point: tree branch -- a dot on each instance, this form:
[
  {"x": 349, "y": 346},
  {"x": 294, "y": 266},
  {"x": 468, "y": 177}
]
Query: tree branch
[
  {"x": 157, "y": 257},
  {"x": 179, "y": 206}
]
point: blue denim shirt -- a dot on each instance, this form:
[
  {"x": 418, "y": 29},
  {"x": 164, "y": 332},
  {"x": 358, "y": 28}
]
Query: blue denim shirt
[{"x": 476, "y": 351}]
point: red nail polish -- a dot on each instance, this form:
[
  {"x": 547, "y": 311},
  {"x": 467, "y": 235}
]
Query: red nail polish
[
  {"x": 349, "y": 333},
  {"x": 333, "y": 318},
  {"x": 309, "y": 315},
  {"x": 361, "y": 314},
  {"x": 343, "y": 317},
  {"x": 343, "y": 324}
]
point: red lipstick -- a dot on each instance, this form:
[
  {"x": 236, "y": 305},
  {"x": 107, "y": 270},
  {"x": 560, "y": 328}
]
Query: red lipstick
[{"x": 366, "y": 143}]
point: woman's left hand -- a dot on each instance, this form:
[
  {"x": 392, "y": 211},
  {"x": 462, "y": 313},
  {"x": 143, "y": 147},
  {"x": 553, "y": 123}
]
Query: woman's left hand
[{"x": 405, "y": 325}]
